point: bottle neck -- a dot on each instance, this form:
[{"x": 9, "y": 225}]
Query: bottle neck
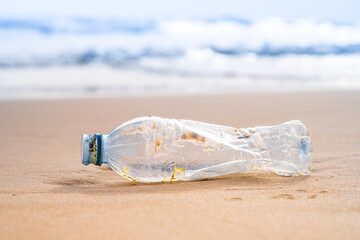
[{"x": 92, "y": 149}]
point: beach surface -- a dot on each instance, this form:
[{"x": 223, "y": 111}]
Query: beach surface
[{"x": 47, "y": 193}]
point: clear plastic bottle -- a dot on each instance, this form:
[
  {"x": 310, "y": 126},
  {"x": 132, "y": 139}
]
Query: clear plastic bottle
[{"x": 154, "y": 149}]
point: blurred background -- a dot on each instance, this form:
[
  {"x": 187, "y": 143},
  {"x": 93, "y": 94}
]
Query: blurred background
[{"x": 83, "y": 48}]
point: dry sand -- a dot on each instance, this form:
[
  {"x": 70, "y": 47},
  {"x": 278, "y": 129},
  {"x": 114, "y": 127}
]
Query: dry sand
[{"x": 46, "y": 193}]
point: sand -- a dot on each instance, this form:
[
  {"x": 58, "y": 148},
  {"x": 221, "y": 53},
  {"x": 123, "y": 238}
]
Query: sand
[{"x": 46, "y": 193}]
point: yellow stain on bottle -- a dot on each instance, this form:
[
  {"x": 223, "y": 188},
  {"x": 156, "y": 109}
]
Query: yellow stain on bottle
[
  {"x": 124, "y": 174},
  {"x": 175, "y": 170}
]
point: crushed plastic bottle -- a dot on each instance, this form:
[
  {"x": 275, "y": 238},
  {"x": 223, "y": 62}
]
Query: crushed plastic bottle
[{"x": 154, "y": 149}]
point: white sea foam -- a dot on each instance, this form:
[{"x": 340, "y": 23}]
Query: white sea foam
[
  {"x": 117, "y": 57},
  {"x": 64, "y": 41},
  {"x": 209, "y": 74}
]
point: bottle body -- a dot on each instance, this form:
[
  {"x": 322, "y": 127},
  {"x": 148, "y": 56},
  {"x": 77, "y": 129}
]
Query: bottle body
[{"x": 154, "y": 149}]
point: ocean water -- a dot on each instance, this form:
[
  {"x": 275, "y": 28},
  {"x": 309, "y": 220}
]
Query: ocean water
[{"x": 86, "y": 56}]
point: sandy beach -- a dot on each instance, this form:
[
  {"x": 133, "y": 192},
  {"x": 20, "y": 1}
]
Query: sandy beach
[{"x": 46, "y": 192}]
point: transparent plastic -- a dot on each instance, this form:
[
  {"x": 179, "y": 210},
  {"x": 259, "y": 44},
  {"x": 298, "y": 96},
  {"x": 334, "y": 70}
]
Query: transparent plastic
[{"x": 154, "y": 149}]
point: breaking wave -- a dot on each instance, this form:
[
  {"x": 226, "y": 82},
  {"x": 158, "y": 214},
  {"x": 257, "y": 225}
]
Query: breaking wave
[{"x": 128, "y": 43}]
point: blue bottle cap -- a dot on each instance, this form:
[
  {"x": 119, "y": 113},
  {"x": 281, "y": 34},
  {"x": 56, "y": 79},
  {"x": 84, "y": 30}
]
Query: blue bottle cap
[
  {"x": 85, "y": 152},
  {"x": 91, "y": 149}
]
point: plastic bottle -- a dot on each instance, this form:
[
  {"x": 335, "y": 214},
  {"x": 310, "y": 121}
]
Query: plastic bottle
[{"x": 154, "y": 149}]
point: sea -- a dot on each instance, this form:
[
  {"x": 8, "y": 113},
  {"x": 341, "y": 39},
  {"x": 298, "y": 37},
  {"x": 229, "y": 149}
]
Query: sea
[{"x": 63, "y": 57}]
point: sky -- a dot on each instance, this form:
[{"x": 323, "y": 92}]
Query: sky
[{"x": 343, "y": 11}]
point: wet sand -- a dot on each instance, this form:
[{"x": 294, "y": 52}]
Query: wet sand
[{"x": 46, "y": 193}]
